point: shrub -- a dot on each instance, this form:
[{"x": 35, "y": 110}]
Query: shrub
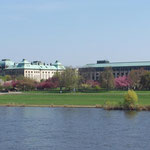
[
  {"x": 130, "y": 99},
  {"x": 96, "y": 87},
  {"x": 25, "y": 84},
  {"x": 48, "y": 84},
  {"x": 7, "y": 86},
  {"x": 90, "y": 84},
  {"x": 85, "y": 86}
]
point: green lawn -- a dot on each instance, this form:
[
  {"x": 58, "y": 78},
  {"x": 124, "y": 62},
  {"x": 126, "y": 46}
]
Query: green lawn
[{"x": 46, "y": 98}]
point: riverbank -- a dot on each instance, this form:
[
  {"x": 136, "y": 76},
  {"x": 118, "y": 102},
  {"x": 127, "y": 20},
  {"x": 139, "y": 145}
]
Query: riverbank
[
  {"x": 76, "y": 100},
  {"x": 55, "y": 106},
  {"x": 135, "y": 108}
]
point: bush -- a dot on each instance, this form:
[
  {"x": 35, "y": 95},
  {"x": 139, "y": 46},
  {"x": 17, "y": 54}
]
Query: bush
[
  {"x": 130, "y": 99},
  {"x": 25, "y": 84},
  {"x": 85, "y": 86},
  {"x": 48, "y": 84},
  {"x": 96, "y": 87}
]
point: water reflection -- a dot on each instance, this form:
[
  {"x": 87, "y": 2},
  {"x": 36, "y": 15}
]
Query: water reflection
[{"x": 130, "y": 114}]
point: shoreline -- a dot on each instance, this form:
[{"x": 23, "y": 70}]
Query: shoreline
[
  {"x": 139, "y": 108},
  {"x": 52, "y": 106}
]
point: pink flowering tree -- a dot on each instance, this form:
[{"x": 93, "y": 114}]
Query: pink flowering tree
[
  {"x": 8, "y": 85},
  {"x": 48, "y": 84},
  {"x": 122, "y": 82}
]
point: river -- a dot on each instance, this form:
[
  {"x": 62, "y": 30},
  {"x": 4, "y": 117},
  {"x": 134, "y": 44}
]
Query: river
[{"x": 35, "y": 128}]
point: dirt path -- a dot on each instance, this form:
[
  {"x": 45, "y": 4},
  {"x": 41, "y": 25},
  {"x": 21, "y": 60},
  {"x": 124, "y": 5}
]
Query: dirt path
[{"x": 7, "y": 93}]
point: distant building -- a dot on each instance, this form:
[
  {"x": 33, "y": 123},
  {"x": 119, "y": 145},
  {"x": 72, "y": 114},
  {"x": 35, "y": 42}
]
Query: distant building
[
  {"x": 93, "y": 71},
  {"x": 35, "y": 70}
]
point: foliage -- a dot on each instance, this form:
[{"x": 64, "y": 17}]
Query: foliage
[
  {"x": 122, "y": 82},
  {"x": 8, "y": 85},
  {"x": 145, "y": 81},
  {"x": 6, "y": 78},
  {"x": 97, "y": 87},
  {"x": 135, "y": 78},
  {"x": 85, "y": 86},
  {"x": 1, "y": 87},
  {"x": 60, "y": 78},
  {"x": 90, "y": 84},
  {"x": 1, "y": 82},
  {"x": 130, "y": 99},
  {"x": 107, "y": 79},
  {"x": 69, "y": 78},
  {"x": 85, "y": 76},
  {"x": 24, "y": 84},
  {"x": 48, "y": 84}
]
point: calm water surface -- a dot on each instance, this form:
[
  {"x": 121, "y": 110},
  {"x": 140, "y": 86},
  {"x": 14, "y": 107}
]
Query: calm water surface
[{"x": 28, "y": 128}]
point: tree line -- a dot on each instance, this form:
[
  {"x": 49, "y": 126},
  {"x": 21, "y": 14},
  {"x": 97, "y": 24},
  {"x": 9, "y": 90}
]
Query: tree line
[
  {"x": 136, "y": 79},
  {"x": 71, "y": 80}
]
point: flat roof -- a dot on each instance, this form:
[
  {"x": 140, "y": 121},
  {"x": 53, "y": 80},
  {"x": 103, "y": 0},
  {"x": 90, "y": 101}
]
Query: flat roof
[{"x": 118, "y": 64}]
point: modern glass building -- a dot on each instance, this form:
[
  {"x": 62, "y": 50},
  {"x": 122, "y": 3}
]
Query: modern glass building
[
  {"x": 93, "y": 71},
  {"x": 35, "y": 70}
]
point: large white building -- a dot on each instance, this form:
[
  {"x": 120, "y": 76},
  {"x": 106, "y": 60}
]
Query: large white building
[{"x": 35, "y": 70}]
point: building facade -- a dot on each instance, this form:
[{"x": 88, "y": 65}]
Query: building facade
[
  {"x": 35, "y": 70},
  {"x": 93, "y": 71}
]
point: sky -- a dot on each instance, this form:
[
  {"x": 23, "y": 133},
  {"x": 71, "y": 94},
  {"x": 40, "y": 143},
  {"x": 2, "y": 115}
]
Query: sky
[{"x": 75, "y": 32}]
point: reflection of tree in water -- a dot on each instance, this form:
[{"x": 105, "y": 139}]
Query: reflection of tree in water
[{"x": 130, "y": 114}]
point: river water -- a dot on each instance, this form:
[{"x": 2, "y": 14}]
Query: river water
[{"x": 28, "y": 128}]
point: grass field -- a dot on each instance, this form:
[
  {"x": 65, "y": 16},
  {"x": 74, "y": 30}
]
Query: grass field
[{"x": 91, "y": 99}]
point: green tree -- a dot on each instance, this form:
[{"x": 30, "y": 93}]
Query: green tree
[
  {"x": 68, "y": 78},
  {"x": 135, "y": 78},
  {"x": 61, "y": 81},
  {"x": 145, "y": 81},
  {"x": 25, "y": 84},
  {"x": 107, "y": 79},
  {"x": 8, "y": 78},
  {"x": 85, "y": 74}
]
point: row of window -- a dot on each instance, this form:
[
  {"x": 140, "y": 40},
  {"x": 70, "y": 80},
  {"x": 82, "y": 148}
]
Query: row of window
[
  {"x": 96, "y": 76},
  {"x": 115, "y": 68},
  {"x": 39, "y": 72},
  {"x": 32, "y": 71}
]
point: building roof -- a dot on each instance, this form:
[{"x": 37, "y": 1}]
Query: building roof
[
  {"x": 36, "y": 65},
  {"x": 118, "y": 64},
  {"x": 58, "y": 65},
  {"x": 6, "y": 63}
]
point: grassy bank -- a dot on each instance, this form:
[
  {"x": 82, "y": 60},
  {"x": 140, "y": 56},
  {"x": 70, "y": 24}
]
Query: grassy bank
[{"x": 79, "y": 99}]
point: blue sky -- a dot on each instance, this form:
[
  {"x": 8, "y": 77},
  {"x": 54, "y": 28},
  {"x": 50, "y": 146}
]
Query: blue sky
[{"x": 76, "y": 32}]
